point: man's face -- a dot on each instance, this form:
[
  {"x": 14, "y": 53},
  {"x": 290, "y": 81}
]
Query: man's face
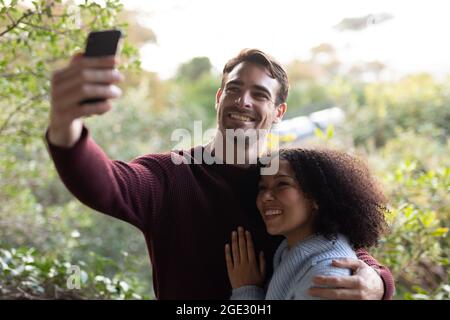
[{"x": 247, "y": 100}]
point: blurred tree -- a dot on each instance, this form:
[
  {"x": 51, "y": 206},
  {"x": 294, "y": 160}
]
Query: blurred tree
[
  {"x": 35, "y": 38},
  {"x": 194, "y": 69}
]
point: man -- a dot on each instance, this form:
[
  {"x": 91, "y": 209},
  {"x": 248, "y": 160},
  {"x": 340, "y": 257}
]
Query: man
[{"x": 186, "y": 211}]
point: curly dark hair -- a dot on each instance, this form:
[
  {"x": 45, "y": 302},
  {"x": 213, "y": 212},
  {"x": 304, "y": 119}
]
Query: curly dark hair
[{"x": 350, "y": 201}]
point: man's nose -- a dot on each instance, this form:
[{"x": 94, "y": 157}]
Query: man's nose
[{"x": 244, "y": 100}]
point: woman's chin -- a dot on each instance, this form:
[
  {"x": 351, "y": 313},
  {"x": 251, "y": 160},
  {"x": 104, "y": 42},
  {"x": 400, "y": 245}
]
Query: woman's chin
[{"x": 273, "y": 231}]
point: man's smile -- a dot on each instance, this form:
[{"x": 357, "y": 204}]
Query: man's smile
[{"x": 240, "y": 117}]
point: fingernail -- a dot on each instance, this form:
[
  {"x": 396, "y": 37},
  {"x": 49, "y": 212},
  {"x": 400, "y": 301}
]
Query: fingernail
[
  {"x": 117, "y": 75},
  {"x": 116, "y": 91}
]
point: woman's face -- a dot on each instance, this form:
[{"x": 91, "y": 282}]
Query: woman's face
[{"x": 283, "y": 206}]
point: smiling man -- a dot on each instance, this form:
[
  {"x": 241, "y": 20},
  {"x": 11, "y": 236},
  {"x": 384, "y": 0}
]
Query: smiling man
[{"x": 185, "y": 210}]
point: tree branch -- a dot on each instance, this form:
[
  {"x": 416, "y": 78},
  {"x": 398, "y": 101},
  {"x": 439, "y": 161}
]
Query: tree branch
[
  {"x": 18, "y": 109},
  {"x": 24, "y": 16},
  {"x": 16, "y": 23}
]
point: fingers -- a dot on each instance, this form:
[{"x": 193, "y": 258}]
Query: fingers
[
  {"x": 262, "y": 264},
  {"x": 99, "y": 91},
  {"x": 335, "y": 294},
  {"x": 352, "y": 264},
  {"x": 88, "y": 91},
  {"x": 242, "y": 245},
  {"x": 87, "y": 68},
  {"x": 228, "y": 259},
  {"x": 80, "y": 77},
  {"x": 90, "y": 109},
  {"x": 76, "y": 57},
  {"x": 350, "y": 282},
  {"x": 101, "y": 75},
  {"x": 76, "y": 92},
  {"x": 235, "y": 248},
  {"x": 96, "y": 62},
  {"x": 84, "y": 78},
  {"x": 250, "y": 247}
]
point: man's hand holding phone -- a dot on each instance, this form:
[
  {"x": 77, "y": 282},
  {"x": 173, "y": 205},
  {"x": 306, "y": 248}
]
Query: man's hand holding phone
[{"x": 82, "y": 89}]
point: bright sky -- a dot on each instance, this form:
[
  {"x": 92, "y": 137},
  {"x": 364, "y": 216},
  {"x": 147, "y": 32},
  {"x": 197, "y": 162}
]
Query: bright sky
[{"x": 415, "y": 40}]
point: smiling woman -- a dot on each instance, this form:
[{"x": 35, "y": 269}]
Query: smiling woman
[{"x": 326, "y": 205}]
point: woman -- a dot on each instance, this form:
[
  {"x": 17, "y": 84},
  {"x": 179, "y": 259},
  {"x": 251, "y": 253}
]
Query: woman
[{"x": 326, "y": 205}]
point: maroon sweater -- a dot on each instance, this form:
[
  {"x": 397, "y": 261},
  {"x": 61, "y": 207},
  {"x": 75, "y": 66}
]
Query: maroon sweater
[{"x": 186, "y": 213}]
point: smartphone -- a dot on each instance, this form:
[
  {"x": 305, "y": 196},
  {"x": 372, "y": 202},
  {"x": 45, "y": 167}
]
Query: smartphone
[{"x": 99, "y": 44}]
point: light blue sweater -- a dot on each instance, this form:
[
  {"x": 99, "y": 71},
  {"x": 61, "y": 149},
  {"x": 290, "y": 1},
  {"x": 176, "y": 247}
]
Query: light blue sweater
[{"x": 294, "y": 269}]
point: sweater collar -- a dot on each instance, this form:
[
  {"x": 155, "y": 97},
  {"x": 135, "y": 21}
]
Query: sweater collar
[{"x": 302, "y": 249}]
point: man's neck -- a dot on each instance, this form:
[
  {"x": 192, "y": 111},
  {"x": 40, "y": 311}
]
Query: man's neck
[{"x": 237, "y": 151}]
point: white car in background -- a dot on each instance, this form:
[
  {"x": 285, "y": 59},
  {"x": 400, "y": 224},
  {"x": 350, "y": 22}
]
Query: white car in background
[{"x": 302, "y": 127}]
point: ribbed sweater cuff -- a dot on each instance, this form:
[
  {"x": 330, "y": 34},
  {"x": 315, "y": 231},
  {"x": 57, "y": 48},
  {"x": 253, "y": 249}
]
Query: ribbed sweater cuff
[
  {"x": 248, "y": 293},
  {"x": 385, "y": 273},
  {"x": 63, "y": 150},
  {"x": 388, "y": 281}
]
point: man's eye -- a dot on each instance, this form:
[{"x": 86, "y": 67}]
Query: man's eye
[
  {"x": 260, "y": 96},
  {"x": 232, "y": 90},
  {"x": 261, "y": 188}
]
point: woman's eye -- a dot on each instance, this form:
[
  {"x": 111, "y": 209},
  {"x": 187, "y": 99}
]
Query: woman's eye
[{"x": 281, "y": 184}]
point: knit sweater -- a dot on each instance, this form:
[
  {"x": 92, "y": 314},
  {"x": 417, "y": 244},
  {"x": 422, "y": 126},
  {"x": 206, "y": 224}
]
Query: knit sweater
[
  {"x": 186, "y": 213},
  {"x": 294, "y": 269}
]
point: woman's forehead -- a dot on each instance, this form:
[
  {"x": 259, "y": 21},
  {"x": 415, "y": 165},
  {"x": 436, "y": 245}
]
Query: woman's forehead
[{"x": 284, "y": 169}]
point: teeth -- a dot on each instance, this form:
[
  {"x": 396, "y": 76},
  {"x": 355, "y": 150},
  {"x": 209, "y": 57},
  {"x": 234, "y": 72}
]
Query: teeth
[
  {"x": 240, "y": 117},
  {"x": 272, "y": 212}
]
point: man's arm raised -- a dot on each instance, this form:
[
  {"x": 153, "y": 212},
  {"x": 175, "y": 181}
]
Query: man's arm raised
[{"x": 124, "y": 190}]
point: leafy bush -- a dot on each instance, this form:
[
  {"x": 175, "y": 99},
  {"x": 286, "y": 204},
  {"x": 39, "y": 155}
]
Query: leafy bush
[{"x": 30, "y": 274}]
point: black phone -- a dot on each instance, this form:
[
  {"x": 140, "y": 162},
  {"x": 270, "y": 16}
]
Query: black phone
[{"x": 99, "y": 44}]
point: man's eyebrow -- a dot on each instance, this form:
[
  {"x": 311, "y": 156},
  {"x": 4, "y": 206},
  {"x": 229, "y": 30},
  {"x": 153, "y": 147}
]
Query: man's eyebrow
[
  {"x": 235, "y": 82},
  {"x": 256, "y": 86}
]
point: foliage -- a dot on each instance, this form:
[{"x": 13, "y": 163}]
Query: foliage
[
  {"x": 415, "y": 102},
  {"x": 416, "y": 249},
  {"x": 37, "y": 212},
  {"x": 30, "y": 274}
]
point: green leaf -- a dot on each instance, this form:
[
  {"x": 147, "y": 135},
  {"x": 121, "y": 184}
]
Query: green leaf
[
  {"x": 319, "y": 133},
  {"x": 440, "y": 232}
]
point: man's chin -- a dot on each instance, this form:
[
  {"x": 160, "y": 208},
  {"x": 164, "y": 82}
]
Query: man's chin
[{"x": 235, "y": 125}]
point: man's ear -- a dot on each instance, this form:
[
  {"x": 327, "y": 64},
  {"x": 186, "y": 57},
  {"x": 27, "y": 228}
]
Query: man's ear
[
  {"x": 218, "y": 95},
  {"x": 279, "y": 112}
]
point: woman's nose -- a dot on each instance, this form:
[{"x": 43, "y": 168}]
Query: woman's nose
[{"x": 266, "y": 195}]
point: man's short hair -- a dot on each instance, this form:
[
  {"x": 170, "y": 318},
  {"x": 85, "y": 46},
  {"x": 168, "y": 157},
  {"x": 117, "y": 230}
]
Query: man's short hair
[{"x": 274, "y": 67}]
